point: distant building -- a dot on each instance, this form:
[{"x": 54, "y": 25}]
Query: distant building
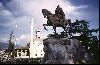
[{"x": 22, "y": 52}]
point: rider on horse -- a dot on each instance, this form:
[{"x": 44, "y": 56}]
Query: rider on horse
[{"x": 59, "y": 13}]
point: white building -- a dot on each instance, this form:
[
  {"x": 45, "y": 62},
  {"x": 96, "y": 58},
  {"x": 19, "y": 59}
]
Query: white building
[
  {"x": 35, "y": 49},
  {"x": 36, "y": 45}
]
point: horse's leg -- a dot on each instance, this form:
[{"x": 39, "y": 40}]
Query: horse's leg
[
  {"x": 54, "y": 27},
  {"x": 45, "y": 26},
  {"x": 48, "y": 22}
]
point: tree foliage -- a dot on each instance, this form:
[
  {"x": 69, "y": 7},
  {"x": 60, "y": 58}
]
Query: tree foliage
[{"x": 86, "y": 38}]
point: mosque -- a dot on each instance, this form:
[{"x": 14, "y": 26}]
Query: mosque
[{"x": 34, "y": 49}]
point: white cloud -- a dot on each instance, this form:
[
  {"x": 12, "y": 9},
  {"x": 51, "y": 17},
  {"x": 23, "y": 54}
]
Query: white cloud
[
  {"x": 73, "y": 9},
  {"x": 22, "y": 37},
  {"x": 1, "y": 6},
  {"x": 16, "y": 25},
  {"x": 34, "y": 6},
  {"x": 17, "y": 39},
  {"x": 5, "y": 13},
  {"x": 3, "y": 39}
]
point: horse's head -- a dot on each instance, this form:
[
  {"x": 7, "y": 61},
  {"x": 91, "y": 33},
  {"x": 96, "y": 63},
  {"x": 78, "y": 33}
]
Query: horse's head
[{"x": 46, "y": 12}]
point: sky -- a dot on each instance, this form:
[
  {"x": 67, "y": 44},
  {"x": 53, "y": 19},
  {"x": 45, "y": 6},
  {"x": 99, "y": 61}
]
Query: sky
[{"x": 16, "y": 15}]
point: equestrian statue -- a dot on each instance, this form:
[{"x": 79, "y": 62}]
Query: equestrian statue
[{"x": 55, "y": 20}]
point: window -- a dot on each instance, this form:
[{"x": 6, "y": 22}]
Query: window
[
  {"x": 19, "y": 54},
  {"x": 38, "y": 37},
  {"x": 35, "y": 54},
  {"x": 38, "y": 45},
  {"x": 23, "y": 51},
  {"x": 41, "y": 54},
  {"x": 19, "y": 50}
]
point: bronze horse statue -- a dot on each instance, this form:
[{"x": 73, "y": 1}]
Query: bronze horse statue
[{"x": 53, "y": 20}]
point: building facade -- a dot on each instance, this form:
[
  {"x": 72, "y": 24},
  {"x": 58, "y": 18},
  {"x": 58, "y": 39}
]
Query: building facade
[
  {"x": 36, "y": 47},
  {"x": 22, "y": 52}
]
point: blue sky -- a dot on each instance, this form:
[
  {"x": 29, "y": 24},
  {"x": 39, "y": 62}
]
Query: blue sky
[{"x": 16, "y": 15}]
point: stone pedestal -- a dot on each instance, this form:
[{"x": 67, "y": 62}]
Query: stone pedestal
[{"x": 63, "y": 51}]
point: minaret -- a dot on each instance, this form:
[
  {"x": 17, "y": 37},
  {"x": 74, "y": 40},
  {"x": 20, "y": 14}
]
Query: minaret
[
  {"x": 32, "y": 23},
  {"x": 31, "y": 49}
]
